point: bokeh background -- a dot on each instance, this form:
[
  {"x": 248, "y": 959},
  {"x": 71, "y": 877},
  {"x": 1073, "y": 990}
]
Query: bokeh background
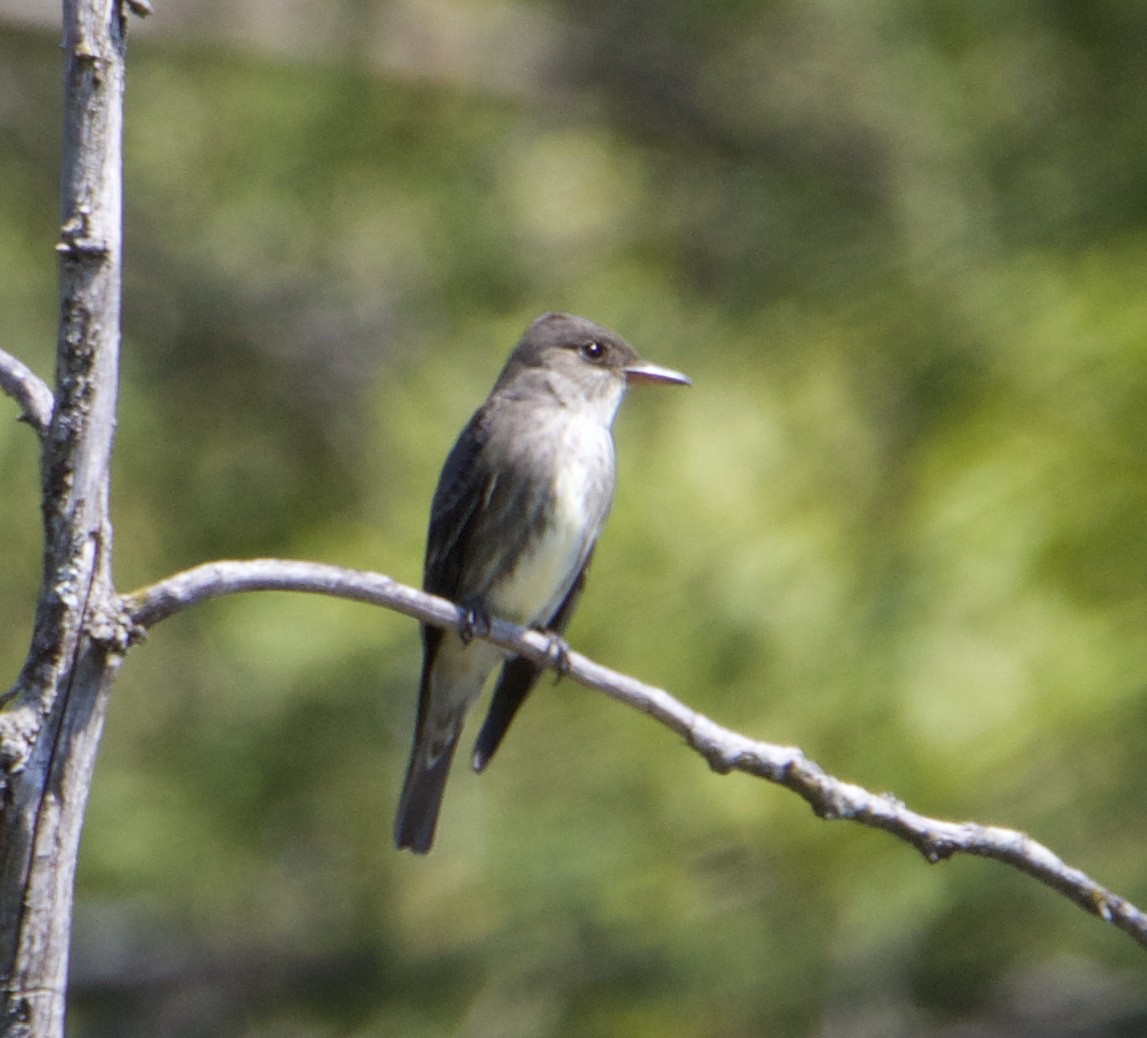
[{"x": 898, "y": 520}]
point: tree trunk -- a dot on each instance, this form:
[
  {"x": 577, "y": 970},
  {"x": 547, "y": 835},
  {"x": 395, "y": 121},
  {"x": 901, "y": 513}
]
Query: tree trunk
[{"x": 50, "y": 731}]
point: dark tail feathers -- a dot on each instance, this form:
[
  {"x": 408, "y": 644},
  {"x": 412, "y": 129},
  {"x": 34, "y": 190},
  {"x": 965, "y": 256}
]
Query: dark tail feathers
[{"x": 422, "y": 798}]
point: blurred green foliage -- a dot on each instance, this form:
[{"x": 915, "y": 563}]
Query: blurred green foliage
[{"x": 898, "y": 520}]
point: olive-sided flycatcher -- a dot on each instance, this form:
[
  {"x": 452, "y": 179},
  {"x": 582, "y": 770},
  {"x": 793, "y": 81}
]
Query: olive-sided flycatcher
[{"x": 519, "y": 505}]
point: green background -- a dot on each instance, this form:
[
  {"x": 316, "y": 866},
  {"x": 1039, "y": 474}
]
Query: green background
[{"x": 898, "y": 520}]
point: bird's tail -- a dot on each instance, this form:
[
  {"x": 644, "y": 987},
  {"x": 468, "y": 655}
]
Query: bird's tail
[{"x": 422, "y": 795}]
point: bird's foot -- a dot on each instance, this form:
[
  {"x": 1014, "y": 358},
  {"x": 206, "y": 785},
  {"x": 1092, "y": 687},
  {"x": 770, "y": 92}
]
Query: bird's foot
[
  {"x": 558, "y": 650},
  {"x": 475, "y": 622}
]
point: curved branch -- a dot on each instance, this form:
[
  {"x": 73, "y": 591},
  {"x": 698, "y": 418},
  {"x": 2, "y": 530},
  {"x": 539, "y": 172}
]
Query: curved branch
[
  {"x": 30, "y": 391},
  {"x": 725, "y": 750}
]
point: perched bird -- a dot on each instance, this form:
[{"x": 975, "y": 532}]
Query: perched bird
[{"x": 518, "y": 509}]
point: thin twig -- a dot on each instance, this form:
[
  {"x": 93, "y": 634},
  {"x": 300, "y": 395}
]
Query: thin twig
[
  {"x": 28, "y": 390},
  {"x": 725, "y": 750}
]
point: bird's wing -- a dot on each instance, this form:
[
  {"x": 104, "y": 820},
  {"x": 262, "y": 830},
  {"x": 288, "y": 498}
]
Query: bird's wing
[
  {"x": 480, "y": 494},
  {"x": 464, "y": 485},
  {"x": 519, "y": 676},
  {"x": 451, "y": 522},
  {"x": 453, "y": 513},
  {"x": 475, "y": 501}
]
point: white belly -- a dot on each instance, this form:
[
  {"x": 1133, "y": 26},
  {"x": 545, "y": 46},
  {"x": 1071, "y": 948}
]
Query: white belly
[{"x": 543, "y": 576}]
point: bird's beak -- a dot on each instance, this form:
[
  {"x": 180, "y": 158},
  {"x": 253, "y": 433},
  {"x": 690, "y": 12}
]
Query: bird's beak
[{"x": 653, "y": 374}]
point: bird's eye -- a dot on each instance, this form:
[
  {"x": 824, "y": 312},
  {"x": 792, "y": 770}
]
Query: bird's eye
[{"x": 593, "y": 351}]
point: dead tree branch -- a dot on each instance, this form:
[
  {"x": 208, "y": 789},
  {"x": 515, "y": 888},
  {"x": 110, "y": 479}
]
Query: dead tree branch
[
  {"x": 28, "y": 390},
  {"x": 725, "y": 750}
]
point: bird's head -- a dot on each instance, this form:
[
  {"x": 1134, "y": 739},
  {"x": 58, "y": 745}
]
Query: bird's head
[{"x": 578, "y": 362}]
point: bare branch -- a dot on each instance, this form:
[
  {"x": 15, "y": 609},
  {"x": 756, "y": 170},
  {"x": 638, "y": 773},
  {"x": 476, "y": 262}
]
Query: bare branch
[
  {"x": 147, "y": 606},
  {"x": 725, "y": 750},
  {"x": 30, "y": 391}
]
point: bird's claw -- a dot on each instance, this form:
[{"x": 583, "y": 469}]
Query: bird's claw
[
  {"x": 475, "y": 622},
  {"x": 558, "y": 650}
]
